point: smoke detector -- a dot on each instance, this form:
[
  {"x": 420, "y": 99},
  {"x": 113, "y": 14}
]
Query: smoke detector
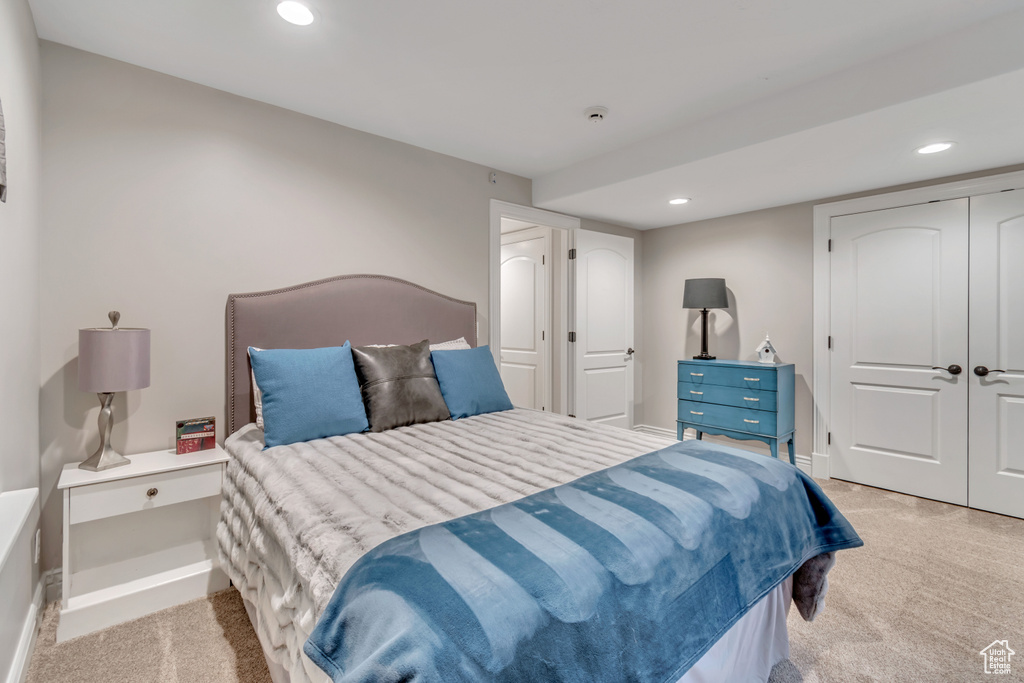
[{"x": 595, "y": 114}]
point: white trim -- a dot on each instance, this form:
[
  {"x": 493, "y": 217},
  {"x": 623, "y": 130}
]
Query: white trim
[
  {"x": 27, "y": 642},
  {"x": 655, "y": 431},
  {"x": 823, "y": 215},
  {"x": 500, "y": 209}
]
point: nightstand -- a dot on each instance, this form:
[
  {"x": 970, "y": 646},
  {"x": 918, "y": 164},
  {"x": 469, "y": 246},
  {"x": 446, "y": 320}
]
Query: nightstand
[
  {"x": 139, "y": 538},
  {"x": 738, "y": 399}
]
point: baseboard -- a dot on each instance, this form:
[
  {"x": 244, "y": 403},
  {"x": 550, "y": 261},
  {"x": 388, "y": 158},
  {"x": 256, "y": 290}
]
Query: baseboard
[
  {"x": 27, "y": 641},
  {"x": 655, "y": 431},
  {"x": 816, "y": 466}
]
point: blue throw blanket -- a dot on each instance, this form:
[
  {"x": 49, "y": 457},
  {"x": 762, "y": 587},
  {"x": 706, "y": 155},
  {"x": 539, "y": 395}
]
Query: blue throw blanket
[{"x": 628, "y": 574}]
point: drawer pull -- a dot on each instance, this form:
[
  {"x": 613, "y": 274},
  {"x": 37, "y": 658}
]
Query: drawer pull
[
  {"x": 152, "y": 493},
  {"x": 747, "y": 398},
  {"x": 696, "y": 374},
  {"x": 694, "y": 412},
  {"x": 699, "y": 393},
  {"x": 753, "y": 422},
  {"x": 752, "y": 379}
]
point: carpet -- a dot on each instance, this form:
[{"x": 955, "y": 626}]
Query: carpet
[{"x": 933, "y": 586}]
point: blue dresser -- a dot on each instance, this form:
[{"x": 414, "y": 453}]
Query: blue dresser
[{"x": 738, "y": 399}]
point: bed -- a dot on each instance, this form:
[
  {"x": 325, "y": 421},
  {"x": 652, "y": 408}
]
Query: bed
[{"x": 296, "y": 520}]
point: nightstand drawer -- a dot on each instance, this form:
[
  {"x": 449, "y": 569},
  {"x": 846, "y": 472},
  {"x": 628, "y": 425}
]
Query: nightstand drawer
[
  {"x": 122, "y": 496},
  {"x": 718, "y": 375},
  {"x": 729, "y": 396},
  {"x": 727, "y": 417}
]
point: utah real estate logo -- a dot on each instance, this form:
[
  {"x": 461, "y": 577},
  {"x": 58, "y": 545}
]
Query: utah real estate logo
[{"x": 997, "y": 657}]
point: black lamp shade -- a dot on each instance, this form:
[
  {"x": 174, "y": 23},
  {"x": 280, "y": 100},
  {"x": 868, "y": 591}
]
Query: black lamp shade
[{"x": 705, "y": 292}]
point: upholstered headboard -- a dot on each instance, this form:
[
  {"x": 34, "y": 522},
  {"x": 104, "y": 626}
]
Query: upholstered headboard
[{"x": 363, "y": 309}]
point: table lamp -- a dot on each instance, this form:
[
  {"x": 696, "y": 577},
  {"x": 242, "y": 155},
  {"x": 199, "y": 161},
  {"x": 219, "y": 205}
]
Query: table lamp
[
  {"x": 111, "y": 359},
  {"x": 705, "y": 293}
]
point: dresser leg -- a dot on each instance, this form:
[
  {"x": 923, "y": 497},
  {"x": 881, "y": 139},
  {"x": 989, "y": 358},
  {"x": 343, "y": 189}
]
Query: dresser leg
[
  {"x": 774, "y": 445},
  {"x": 699, "y": 434},
  {"x": 792, "y": 449}
]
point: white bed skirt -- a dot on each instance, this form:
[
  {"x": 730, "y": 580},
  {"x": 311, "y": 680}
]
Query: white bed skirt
[{"x": 745, "y": 654}]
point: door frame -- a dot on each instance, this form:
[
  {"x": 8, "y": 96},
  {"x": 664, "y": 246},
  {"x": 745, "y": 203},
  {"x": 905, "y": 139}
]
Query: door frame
[
  {"x": 823, "y": 215},
  {"x": 500, "y": 209}
]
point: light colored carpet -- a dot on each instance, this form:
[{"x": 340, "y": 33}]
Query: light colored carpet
[
  {"x": 933, "y": 585},
  {"x": 209, "y": 640}
]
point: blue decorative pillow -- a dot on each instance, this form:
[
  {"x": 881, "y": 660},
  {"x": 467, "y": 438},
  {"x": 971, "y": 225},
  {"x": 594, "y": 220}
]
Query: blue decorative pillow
[
  {"x": 470, "y": 383},
  {"x": 308, "y": 393}
]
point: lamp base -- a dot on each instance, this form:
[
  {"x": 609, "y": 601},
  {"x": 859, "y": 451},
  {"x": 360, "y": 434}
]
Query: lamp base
[
  {"x": 105, "y": 456},
  {"x": 704, "y": 356},
  {"x": 104, "y": 460}
]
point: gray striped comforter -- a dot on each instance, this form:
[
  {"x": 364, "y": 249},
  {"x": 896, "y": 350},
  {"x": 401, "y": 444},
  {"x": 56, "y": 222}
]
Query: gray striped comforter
[{"x": 295, "y": 518}]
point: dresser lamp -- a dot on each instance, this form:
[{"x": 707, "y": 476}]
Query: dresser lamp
[
  {"x": 705, "y": 293},
  {"x": 111, "y": 359}
]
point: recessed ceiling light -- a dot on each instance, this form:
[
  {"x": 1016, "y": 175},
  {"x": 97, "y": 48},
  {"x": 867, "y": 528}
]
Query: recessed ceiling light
[
  {"x": 935, "y": 147},
  {"x": 679, "y": 200},
  {"x": 295, "y": 13}
]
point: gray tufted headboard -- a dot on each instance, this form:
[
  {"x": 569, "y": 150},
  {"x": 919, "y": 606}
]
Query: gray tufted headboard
[{"x": 363, "y": 309}]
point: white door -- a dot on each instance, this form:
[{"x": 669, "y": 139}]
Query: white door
[
  {"x": 604, "y": 328},
  {"x": 899, "y": 308},
  {"x": 997, "y": 344},
  {"x": 525, "y": 311}
]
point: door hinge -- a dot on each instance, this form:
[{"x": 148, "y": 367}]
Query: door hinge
[
  {"x": 830, "y": 245},
  {"x": 542, "y": 335},
  {"x": 572, "y": 337},
  {"x": 542, "y": 259},
  {"x": 829, "y": 440},
  {"x": 572, "y": 254},
  {"x": 829, "y": 341}
]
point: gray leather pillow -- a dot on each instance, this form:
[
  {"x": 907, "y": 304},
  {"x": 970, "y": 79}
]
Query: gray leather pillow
[{"x": 399, "y": 386}]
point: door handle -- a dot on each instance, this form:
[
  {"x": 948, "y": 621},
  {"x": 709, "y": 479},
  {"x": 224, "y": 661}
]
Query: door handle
[
  {"x": 630, "y": 351},
  {"x": 981, "y": 371},
  {"x": 953, "y": 369}
]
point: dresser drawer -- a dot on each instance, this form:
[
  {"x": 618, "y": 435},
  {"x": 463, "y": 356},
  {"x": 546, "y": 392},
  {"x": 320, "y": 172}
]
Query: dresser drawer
[
  {"x": 727, "y": 417},
  {"x": 746, "y": 378},
  {"x": 121, "y": 496},
  {"x": 758, "y": 399}
]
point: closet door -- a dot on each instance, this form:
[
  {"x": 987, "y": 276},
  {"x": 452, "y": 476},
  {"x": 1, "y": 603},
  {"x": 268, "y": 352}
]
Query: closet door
[
  {"x": 997, "y": 344},
  {"x": 899, "y": 309}
]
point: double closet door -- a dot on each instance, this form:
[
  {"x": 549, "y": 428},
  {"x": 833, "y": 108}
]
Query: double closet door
[{"x": 927, "y": 366}]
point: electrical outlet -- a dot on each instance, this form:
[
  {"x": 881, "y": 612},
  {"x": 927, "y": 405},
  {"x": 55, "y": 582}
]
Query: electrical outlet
[{"x": 38, "y": 542}]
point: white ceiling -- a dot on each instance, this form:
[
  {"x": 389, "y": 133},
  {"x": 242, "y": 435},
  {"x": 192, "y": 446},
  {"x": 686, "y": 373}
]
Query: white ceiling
[{"x": 739, "y": 104}]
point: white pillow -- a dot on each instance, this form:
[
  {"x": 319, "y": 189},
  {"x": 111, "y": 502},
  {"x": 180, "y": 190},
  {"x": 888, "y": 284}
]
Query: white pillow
[
  {"x": 257, "y": 395},
  {"x": 453, "y": 345}
]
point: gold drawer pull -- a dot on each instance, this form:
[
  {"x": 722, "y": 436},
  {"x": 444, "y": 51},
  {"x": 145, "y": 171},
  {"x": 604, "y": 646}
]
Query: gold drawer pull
[
  {"x": 696, "y": 374},
  {"x": 694, "y": 412},
  {"x": 747, "y": 398},
  {"x": 753, "y": 422},
  {"x": 752, "y": 379},
  {"x": 699, "y": 393},
  {"x": 152, "y": 493}
]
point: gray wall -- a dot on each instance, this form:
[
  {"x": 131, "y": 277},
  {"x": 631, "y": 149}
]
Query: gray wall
[
  {"x": 19, "y": 255},
  {"x": 766, "y": 259},
  {"x": 162, "y": 196}
]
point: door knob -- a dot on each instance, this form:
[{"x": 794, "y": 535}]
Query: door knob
[
  {"x": 953, "y": 369},
  {"x": 630, "y": 351},
  {"x": 981, "y": 371}
]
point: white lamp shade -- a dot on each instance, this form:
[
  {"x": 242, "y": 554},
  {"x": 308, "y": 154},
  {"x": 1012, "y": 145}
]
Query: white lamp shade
[{"x": 111, "y": 360}]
